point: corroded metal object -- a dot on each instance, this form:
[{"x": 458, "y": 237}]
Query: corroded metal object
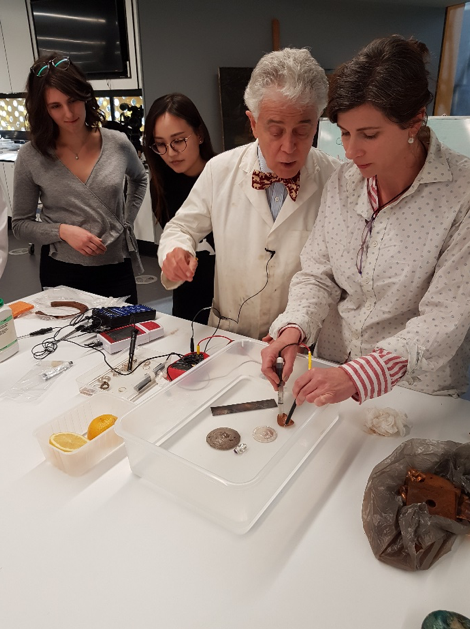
[
  {"x": 442, "y": 619},
  {"x": 223, "y": 438},
  {"x": 242, "y": 407},
  {"x": 440, "y": 495},
  {"x": 281, "y": 420},
  {"x": 82, "y": 308}
]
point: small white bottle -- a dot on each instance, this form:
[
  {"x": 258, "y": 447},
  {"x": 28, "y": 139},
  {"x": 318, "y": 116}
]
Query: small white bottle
[{"x": 8, "y": 339}]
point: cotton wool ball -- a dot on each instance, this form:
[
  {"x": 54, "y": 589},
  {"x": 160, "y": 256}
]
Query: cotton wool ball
[{"x": 386, "y": 422}]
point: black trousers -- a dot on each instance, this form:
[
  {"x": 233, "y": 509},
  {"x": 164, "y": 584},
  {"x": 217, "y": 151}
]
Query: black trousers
[
  {"x": 109, "y": 280},
  {"x": 190, "y": 297}
]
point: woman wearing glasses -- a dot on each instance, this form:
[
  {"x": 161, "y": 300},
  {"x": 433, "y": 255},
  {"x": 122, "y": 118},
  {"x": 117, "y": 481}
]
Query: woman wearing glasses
[
  {"x": 177, "y": 146},
  {"x": 384, "y": 287},
  {"x": 77, "y": 169}
]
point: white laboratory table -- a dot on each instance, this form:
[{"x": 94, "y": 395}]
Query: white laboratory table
[{"x": 108, "y": 550}]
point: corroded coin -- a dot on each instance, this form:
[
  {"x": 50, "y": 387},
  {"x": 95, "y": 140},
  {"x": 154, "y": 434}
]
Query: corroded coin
[
  {"x": 281, "y": 420},
  {"x": 264, "y": 434},
  {"x": 223, "y": 438}
]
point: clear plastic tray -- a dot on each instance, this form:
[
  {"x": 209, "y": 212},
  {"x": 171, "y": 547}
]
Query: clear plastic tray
[
  {"x": 165, "y": 437},
  {"x": 76, "y": 420},
  {"x": 102, "y": 379}
]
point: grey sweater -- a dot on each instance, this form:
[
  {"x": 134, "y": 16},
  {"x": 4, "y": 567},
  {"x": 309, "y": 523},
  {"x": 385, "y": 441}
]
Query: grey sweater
[{"x": 97, "y": 205}]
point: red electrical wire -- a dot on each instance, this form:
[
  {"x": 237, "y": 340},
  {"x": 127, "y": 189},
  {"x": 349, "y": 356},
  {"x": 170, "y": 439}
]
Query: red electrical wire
[{"x": 215, "y": 336}]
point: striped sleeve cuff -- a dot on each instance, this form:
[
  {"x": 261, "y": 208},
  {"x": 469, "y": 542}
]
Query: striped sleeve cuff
[{"x": 375, "y": 374}]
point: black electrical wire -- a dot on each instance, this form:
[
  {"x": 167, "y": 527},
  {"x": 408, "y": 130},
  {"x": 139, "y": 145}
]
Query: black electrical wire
[
  {"x": 286, "y": 346},
  {"x": 37, "y": 332},
  {"x": 222, "y": 317},
  {"x": 48, "y": 346},
  {"x": 81, "y": 328},
  {"x": 126, "y": 373}
]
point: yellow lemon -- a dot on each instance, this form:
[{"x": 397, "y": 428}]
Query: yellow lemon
[
  {"x": 100, "y": 424},
  {"x": 67, "y": 441}
]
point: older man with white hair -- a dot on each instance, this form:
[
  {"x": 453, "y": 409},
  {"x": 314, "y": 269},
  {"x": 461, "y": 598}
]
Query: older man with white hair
[{"x": 259, "y": 200}]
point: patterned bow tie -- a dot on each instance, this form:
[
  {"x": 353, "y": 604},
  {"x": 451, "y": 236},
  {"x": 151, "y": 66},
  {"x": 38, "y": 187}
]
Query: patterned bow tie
[{"x": 261, "y": 181}]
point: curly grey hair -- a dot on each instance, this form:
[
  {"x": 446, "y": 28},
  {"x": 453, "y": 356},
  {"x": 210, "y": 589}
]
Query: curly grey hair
[{"x": 292, "y": 71}]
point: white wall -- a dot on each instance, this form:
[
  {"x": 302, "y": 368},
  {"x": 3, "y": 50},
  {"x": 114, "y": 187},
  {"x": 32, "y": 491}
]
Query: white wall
[
  {"x": 183, "y": 43},
  {"x": 16, "y": 50}
]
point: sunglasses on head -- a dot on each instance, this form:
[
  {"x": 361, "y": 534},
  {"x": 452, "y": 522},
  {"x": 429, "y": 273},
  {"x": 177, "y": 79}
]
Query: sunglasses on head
[{"x": 40, "y": 69}]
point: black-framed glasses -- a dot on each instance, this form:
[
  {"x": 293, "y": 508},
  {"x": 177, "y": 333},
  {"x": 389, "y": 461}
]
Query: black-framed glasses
[
  {"x": 40, "y": 69},
  {"x": 366, "y": 232},
  {"x": 179, "y": 145}
]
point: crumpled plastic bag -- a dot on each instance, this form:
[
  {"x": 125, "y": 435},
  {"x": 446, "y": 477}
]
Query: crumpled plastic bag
[{"x": 407, "y": 537}]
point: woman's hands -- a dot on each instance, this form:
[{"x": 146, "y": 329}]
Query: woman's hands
[
  {"x": 317, "y": 386},
  {"x": 323, "y": 386},
  {"x": 81, "y": 240},
  {"x": 270, "y": 353},
  {"x": 179, "y": 265}
]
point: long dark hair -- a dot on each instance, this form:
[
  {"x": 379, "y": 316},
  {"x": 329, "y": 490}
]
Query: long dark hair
[
  {"x": 390, "y": 74},
  {"x": 182, "y": 107},
  {"x": 43, "y": 131}
]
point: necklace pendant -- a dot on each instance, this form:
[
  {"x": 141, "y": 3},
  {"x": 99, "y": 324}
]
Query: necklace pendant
[{"x": 76, "y": 156}]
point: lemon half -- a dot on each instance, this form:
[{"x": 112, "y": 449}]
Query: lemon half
[{"x": 67, "y": 441}]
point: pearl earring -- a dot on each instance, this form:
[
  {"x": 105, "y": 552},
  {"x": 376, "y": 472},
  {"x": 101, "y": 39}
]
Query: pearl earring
[{"x": 411, "y": 140}]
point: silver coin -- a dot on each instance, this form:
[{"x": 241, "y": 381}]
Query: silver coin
[
  {"x": 223, "y": 438},
  {"x": 264, "y": 434}
]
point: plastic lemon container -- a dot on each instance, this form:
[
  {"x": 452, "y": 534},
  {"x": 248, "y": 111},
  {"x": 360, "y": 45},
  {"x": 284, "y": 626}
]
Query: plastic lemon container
[{"x": 77, "y": 420}]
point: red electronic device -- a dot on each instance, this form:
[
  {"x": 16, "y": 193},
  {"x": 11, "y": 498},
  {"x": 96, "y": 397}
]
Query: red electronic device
[{"x": 185, "y": 363}]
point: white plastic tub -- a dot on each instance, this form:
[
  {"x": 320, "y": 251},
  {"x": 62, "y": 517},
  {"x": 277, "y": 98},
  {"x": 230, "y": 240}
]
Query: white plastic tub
[
  {"x": 166, "y": 444},
  {"x": 77, "y": 420}
]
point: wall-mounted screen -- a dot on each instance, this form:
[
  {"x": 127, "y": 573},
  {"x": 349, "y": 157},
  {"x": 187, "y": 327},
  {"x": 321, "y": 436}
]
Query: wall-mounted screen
[{"x": 92, "y": 33}]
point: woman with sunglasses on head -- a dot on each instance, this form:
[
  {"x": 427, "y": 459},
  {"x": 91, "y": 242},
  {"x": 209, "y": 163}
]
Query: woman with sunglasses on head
[
  {"x": 77, "y": 169},
  {"x": 177, "y": 147},
  {"x": 384, "y": 286}
]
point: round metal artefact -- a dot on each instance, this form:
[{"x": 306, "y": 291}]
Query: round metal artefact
[
  {"x": 223, "y": 438},
  {"x": 264, "y": 434}
]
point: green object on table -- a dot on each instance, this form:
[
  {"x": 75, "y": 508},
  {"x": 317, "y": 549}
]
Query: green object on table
[{"x": 445, "y": 620}]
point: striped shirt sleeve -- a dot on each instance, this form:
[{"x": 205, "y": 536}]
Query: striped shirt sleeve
[{"x": 375, "y": 374}]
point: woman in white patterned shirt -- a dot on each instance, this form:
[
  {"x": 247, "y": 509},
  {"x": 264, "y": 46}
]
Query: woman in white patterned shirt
[{"x": 384, "y": 287}]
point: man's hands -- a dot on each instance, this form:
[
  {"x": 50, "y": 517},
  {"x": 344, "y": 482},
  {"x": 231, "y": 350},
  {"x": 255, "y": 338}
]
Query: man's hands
[
  {"x": 317, "y": 386},
  {"x": 179, "y": 265},
  {"x": 82, "y": 240}
]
